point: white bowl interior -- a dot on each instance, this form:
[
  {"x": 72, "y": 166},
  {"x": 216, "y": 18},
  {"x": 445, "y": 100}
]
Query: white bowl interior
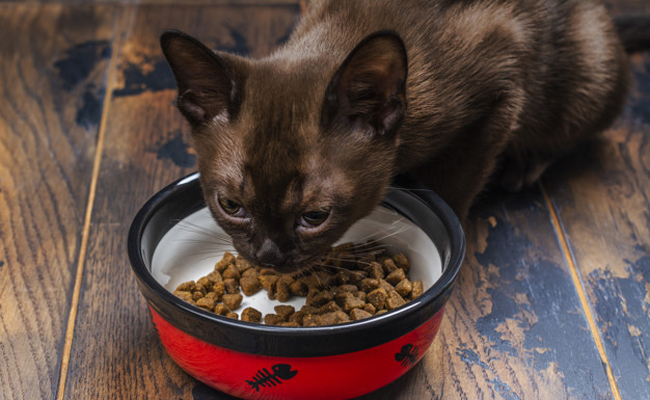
[{"x": 193, "y": 246}]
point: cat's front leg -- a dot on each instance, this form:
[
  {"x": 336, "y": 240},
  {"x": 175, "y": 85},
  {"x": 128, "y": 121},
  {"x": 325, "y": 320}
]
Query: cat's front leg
[{"x": 459, "y": 172}]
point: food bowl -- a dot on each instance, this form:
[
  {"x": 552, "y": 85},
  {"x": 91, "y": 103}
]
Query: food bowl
[{"x": 173, "y": 239}]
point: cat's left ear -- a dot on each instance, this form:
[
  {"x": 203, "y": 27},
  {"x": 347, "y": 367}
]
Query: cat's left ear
[
  {"x": 368, "y": 92},
  {"x": 209, "y": 83}
]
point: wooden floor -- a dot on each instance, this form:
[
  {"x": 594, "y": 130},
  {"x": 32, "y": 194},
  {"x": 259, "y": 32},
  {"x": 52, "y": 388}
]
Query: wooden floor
[{"x": 553, "y": 301}]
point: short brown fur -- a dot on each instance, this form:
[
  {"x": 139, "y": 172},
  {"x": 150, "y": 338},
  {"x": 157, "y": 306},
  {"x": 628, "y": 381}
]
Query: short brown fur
[{"x": 367, "y": 89}]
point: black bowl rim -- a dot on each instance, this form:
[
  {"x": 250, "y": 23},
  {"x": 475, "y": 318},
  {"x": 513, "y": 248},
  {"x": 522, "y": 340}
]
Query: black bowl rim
[{"x": 316, "y": 341}]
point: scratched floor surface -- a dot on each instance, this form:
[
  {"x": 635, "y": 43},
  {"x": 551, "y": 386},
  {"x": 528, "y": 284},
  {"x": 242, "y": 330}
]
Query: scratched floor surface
[{"x": 553, "y": 301}]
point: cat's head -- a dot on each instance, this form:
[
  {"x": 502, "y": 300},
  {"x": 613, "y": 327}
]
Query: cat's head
[{"x": 291, "y": 152}]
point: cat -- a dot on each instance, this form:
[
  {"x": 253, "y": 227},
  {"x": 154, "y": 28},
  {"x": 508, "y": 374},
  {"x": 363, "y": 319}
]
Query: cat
[{"x": 295, "y": 147}]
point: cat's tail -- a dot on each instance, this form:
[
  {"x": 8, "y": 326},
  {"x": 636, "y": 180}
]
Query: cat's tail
[{"x": 634, "y": 31}]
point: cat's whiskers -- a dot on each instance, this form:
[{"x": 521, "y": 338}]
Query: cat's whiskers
[
  {"x": 377, "y": 240},
  {"x": 200, "y": 230},
  {"x": 386, "y": 229},
  {"x": 352, "y": 259}
]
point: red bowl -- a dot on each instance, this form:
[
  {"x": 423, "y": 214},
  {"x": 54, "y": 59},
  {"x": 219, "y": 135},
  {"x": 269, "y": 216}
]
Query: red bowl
[{"x": 255, "y": 361}]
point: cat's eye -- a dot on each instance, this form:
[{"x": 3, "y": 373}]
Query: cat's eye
[
  {"x": 232, "y": 208},
  {"x": 314, "y": 218}
]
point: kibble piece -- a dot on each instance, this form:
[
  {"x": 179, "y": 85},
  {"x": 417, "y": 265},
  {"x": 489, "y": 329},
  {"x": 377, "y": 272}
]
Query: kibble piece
[
  {"x": 232, "y": 301},
  {"x": 250, "y": 285},
  {"x": 358, "y": 313},
  {"x": 299, "y": 288},
  {"x": 348, "y": 301},
  {"x": 205, "y": 281},
  {"x": 357, "y": 276},
  {"x": 282, "y": 287},
  {"x": 343, "y": 277},
  {"x": 401, "y": 261},
  {"x": 361, "y": 295},
  {"x": 307, "y": 309},
  {"x": 186, "y": 286},
  {"x": 184, "y": 295},
  {"x": 206, "y": 302},
  {"x": 386, "y": 286},
  {"x": 332, "y": 318},
  {"x": 377, "y": 298},
  {"x": 214, "y": 277},
  {"x": 330, "y": 306},
  {"x": 221, "y": 309},
  {"x": 199, "y": 287},
  {"x": 348, "y": 288},
  {"x": 311, "y": 320},
  {"x": 323, "y": 279},
  {"x": 396, "y": 277},
  {"x": 366, "y": 260},
  {"x": 268, "y": 283},
  {"x": 219, "y": 289},
  {"x": 231, "y": 286},
  {"x": 272, "y": 319},
  {"x": 375, "y": 270},
  {"x": 394, "y": 300},
  {"x": 297, "y": 317},
  {"x": 213, "y": 295},
  {"x": 404, "y": 288},
  {"x": 250, "y": 273},
  {"x": 227, "y": 259},
  {"x": 318, "y": 298},
  {"x": 284, "y": 311},
  {"x": 231, "y": 272},
  {"x": 242, "y": 265},
  {"x": 418, "y": 289},
  {"x": 369, "y": 284},
  {"x": 370, "y": 308},
  {"x": 232, "y": 315},
  {"x": 197, "y": 295},
  {"x": 389, "y": 265},
  {"x": 249, "y": 314}
]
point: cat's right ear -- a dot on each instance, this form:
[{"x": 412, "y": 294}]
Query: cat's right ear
[
  {"x": 207, "y": 82},
  {"x": 368, "y": 92}
]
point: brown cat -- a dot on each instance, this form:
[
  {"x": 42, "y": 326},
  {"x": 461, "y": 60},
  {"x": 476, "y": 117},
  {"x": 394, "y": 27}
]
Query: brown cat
[{"x": 295, "y": 147}]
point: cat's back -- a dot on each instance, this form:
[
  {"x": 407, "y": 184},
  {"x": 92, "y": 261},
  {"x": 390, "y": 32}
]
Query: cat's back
[
  {"x": 462, "y": 54},
  {"x": 340, "y": 25}
]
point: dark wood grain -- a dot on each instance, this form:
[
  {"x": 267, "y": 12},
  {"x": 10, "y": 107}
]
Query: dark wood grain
[
  {"x": 53, "y": 62},
  {"x": 514, "y": 328},
  {"x": 602, "y": 194},
  {"x": 116, "y": 353}
]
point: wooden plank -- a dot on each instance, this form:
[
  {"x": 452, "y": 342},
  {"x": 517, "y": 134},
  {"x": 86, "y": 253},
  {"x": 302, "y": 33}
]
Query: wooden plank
[
  {"x": 514, "y": 328},
  {"x": 53, "y": 63},
  {"x": 116, "y": 354},
  {"x": 602, "y": 194}
]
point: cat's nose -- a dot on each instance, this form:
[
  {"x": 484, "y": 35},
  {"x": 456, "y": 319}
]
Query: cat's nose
[{"x": 270, "y": 253}]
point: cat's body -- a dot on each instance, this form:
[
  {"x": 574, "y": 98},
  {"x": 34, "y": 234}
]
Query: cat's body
[{"x": 295, "y": 147}]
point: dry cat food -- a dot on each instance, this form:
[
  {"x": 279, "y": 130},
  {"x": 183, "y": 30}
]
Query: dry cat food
[{"x": 352, "y": 283}]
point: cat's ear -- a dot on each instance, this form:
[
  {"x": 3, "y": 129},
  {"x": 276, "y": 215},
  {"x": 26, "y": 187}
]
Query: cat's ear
[
  {"x": 368, "y": 91},
  {"x": 207, "y": 82}
]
